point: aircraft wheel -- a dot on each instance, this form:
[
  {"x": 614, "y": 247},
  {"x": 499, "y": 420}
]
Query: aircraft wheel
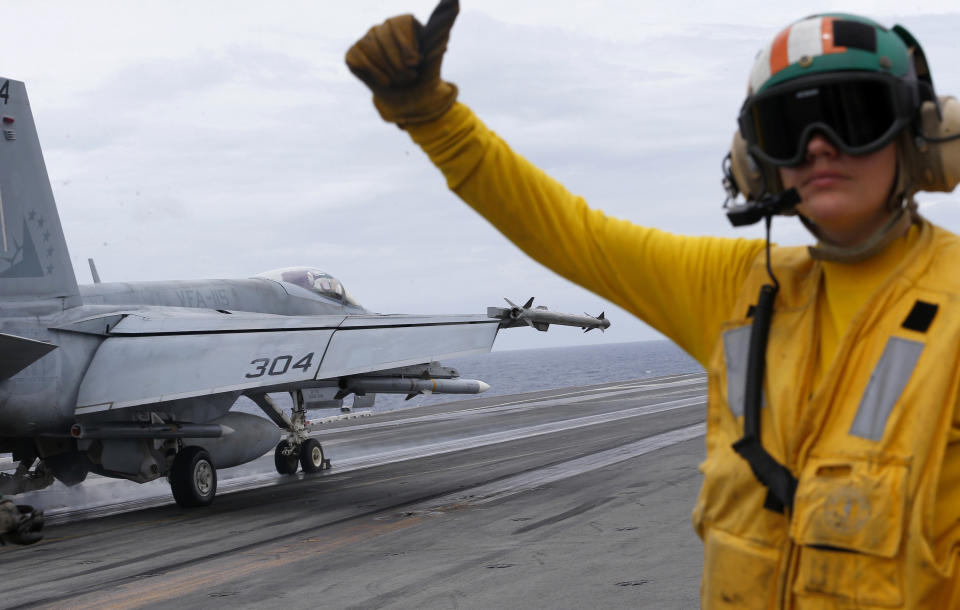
[
  {"x": 193, "y": 478},
  {"x": 286, "y": 464},
  {"x": 311, "y": 455}
]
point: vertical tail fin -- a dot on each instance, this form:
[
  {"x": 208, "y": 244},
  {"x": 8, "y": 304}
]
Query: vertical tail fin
[{"x": 34, "y": 262}]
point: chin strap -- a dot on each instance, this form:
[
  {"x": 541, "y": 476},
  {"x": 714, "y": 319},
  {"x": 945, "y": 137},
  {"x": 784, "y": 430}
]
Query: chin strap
[{"x": 898, "y": 224}]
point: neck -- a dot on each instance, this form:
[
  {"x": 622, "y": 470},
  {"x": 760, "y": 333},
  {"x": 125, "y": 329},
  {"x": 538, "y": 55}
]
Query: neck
[{"x": 895, "y": 226}]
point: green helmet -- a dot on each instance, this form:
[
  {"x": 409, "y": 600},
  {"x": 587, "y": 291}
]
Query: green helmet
[{"x": 845, "y": 76}]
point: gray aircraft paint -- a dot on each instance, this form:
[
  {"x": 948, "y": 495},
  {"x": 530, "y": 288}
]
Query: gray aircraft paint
[{"x": 34, "y": 262}]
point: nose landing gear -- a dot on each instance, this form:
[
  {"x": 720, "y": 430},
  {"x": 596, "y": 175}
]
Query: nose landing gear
[
  {"x": 298, "y": 449},
  {"x": 308, "y": 456}
]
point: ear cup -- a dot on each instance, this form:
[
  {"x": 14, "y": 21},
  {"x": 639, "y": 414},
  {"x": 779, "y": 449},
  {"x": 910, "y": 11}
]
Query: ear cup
[
  {"x": 746, "y": 172},
  {"x": 934, "y": 161}
]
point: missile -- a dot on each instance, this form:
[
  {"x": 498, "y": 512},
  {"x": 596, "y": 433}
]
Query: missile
[
  {"x": 541, "y": 318},
  {"x": 135, "y": 430},
  {"x": 411, "y": 385}
]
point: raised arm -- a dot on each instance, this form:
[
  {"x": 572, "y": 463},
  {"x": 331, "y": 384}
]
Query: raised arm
[{"x": 682, "y": 286}]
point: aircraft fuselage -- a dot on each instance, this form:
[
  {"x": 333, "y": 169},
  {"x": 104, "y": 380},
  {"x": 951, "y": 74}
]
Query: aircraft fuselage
[{"x": 40, "y": 400}]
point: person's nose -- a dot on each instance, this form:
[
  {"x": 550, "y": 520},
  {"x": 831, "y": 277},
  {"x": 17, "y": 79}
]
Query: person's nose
[{"x": 820, "y": 146}]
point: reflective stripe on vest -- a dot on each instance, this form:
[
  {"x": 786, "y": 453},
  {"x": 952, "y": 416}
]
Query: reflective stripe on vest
[
  {"x": 736, "y": 349},
  {"x": 886, "y": 383}
]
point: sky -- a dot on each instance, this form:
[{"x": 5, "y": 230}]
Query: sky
[{"x": 193, "y": 140}]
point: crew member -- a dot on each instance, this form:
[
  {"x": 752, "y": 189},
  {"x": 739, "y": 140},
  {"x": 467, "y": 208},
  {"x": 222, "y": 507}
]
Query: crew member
[
  {"x": 19, "y": 523},
  {"x": 843, "y": 490}
]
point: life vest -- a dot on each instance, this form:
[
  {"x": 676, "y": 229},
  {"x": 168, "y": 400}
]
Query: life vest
[{"x": 866, "y": 444}]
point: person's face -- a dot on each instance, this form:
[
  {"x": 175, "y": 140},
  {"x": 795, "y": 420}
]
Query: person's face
[{"x": 844, "y": 196}]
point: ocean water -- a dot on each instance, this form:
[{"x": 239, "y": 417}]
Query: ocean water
[{"x": 529, "y": 370}]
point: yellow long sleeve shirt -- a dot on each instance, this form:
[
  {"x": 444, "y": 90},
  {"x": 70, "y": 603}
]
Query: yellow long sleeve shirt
[{"x": 685, "y": 287}]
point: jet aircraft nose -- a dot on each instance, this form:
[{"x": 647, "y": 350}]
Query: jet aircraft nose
[{"x": 482, "y": 387}]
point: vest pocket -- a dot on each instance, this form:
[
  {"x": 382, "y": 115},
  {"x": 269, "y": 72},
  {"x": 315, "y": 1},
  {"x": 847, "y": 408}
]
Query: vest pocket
[
  {"x": 848, "y": 520},
  {"x": 738, "y": 573},
  {"x": 863, "y": 580}
]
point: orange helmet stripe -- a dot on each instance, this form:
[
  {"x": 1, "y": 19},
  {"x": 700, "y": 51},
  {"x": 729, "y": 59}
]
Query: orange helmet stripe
[
  {"x": 779, "y": 58},
  {"x": 826, "y": 33}
]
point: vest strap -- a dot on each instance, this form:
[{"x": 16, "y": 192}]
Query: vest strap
[
  {"x": 780, "y": 482},
  {"x": 778, "y": 479}
]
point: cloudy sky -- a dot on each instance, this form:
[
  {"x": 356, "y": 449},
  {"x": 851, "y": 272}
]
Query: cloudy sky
[{"x": 221, "y": 139}]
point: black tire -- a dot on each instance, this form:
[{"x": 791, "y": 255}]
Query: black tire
[
  {"x": 193, "y": 477},
  {"x": 311, "y": 456},
  {"x": 286, "y": 464}
]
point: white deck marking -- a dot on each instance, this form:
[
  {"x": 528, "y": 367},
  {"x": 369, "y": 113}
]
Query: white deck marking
[{"x": 411, "y": 453}]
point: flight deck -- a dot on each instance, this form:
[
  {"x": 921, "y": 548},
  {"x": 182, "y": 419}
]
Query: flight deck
[{"x": 568, "y": 498}]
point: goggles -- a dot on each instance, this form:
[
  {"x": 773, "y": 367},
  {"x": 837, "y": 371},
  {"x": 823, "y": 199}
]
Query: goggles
[{"x": 859, "y": 112}]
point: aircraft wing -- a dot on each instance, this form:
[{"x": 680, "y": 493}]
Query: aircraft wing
[{"x": 158, "y": 356}]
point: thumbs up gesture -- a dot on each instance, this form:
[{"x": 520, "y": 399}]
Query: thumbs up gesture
[{"x": 400, "y": 59}]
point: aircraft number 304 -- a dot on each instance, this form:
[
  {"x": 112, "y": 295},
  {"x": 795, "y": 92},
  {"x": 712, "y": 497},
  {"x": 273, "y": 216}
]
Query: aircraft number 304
[{"x": 279, "y": 365}]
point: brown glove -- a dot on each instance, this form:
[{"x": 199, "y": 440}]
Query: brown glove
[{"x": 400, "y": 61}]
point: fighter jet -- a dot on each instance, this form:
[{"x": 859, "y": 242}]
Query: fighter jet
[{"x": 137, "y": 380}]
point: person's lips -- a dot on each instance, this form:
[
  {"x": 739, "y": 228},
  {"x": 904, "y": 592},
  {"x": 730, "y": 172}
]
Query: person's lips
[{"x": 823, "y": 179}]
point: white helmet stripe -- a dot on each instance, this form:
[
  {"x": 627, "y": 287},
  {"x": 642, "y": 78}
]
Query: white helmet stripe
[
  {"x": 761, "y": 69},
  {"x": 805, "y": 39}
]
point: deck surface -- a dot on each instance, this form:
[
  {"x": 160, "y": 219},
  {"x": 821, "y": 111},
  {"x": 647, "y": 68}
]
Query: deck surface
[{"x": 570, "y": 498}]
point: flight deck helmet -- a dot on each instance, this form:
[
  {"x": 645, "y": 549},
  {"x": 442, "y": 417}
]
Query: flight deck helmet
[{"x": 858, "y": 83}]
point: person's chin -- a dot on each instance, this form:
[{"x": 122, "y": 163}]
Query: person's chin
[{"x": 825, "y": 206}]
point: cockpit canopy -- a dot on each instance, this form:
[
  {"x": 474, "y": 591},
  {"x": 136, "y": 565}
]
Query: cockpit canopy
[{"x": 314, "y": 280}]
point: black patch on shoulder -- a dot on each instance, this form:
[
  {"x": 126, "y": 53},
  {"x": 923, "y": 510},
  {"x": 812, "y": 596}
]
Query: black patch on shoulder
[
  {"x": 921, "y": 316},
  {"x": 751, "y": 310},
  {"x": 854, "y": 35}
]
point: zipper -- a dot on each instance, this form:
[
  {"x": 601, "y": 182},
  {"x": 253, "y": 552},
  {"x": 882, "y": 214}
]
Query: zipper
[{"x": 786, "y": 578}]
